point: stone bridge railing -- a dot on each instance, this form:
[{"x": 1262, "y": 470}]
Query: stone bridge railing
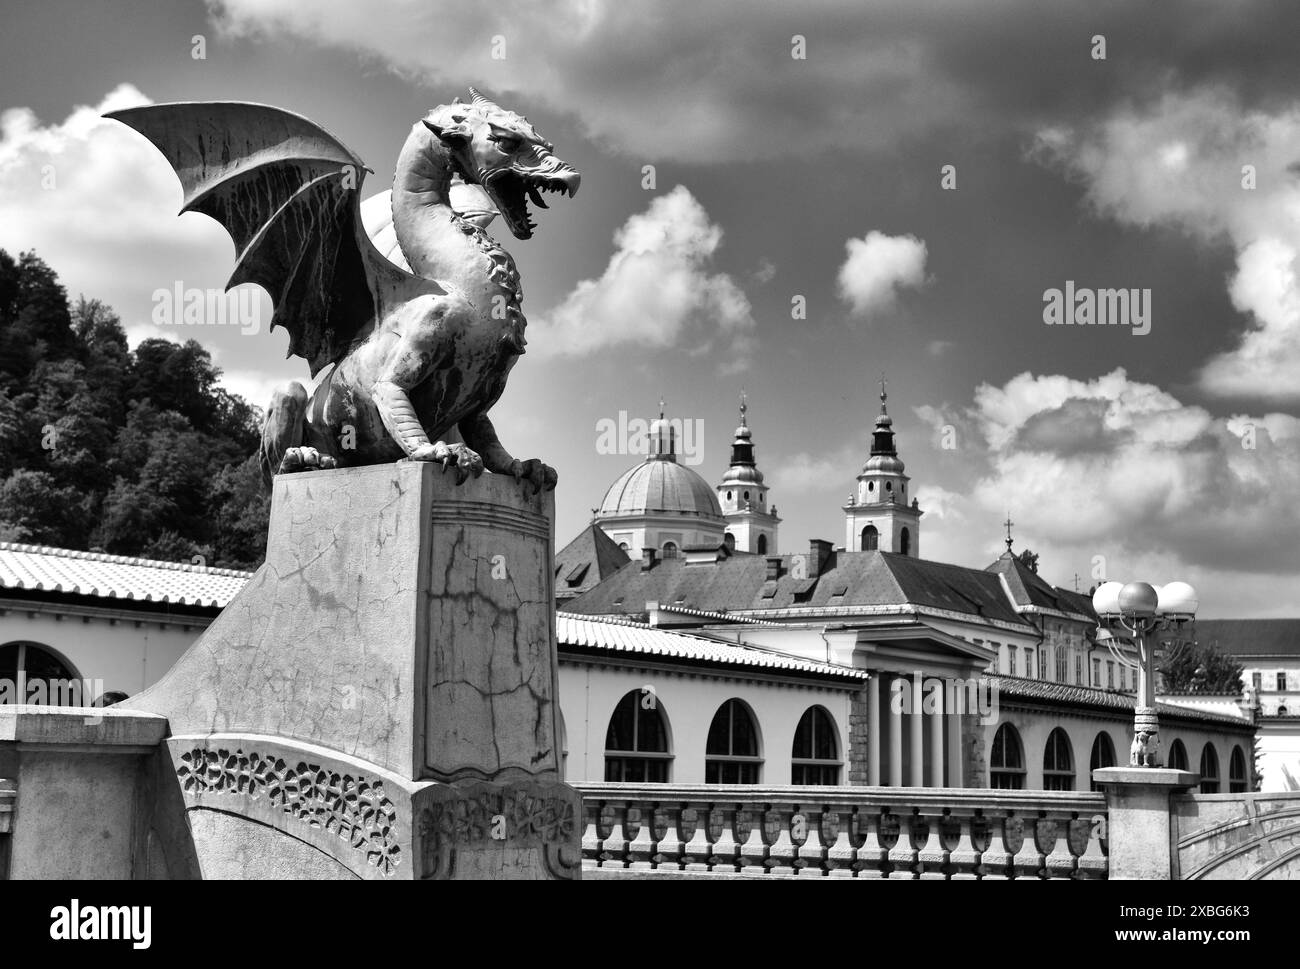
[{"x": 737, "y": 831}]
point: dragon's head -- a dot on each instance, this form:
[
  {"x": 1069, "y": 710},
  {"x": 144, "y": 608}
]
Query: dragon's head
[{"x": 502, "y": 152}]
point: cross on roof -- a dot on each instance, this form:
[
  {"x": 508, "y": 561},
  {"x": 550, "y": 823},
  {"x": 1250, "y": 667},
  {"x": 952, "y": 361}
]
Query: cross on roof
[{"x": 1008, "y": 523}]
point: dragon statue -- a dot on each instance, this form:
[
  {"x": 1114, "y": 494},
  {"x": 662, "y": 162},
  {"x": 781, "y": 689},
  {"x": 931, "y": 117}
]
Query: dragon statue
[{"x": 420, "y": 324}]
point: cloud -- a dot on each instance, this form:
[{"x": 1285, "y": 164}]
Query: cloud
[
  {"x": 657, "y": 292},
  {"x": 655, "y": 79},
  {"x": 1181, "y": 161},
  {"x": 877, "y": 266},
  {"x": 1113, "y": 465},
  {"x": 802, "y": 472}
]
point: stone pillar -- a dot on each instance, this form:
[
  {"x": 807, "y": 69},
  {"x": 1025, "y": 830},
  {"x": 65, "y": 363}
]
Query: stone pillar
[
  {"x": 399, "y": 642},
  {"x": 916, "y": 728},
  {"x": 1138, "y": 822},
  {"x": 895, "y": 739},
  {"x": 861, "y": 733},
  {"x": 873, "y": 731},
  {"x": 936, "y": 746},
  {"x": 953, "y": 720}
]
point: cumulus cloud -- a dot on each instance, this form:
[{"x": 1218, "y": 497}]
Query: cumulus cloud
[
  {"x": 656, "y": 291},
  {"x": 877, "y": 266},
  {"x": 1204, "y": 163},
  {"x": 1117, "y": 465},
  {"x": 99, "y": 204}
]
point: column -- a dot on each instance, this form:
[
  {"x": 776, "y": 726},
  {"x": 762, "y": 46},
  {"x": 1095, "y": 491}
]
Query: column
[
  {"x": 895, "y": 740},
  {"x": 917, "y": 718},
  {"x": 873, "y": 730},
  {"x": 936, "y": 743},
  {"x": 954, "y": 748}
]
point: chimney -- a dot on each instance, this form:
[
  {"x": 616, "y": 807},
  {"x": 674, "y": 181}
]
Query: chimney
[
  {"x": 773, "y": 568},
  {"x": 647, "y": 559},
  {"x": 819, "y": 554}
]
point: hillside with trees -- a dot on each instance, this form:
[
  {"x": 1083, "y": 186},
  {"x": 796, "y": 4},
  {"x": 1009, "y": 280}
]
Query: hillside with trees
[{"x": 128, "y": 452}]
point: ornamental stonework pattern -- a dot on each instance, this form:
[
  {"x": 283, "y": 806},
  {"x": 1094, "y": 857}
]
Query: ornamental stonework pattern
[{"x": 354, "y": 808}]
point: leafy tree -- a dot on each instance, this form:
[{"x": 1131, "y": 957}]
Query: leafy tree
[
  {"x": 1200, "y": 668},
  {"x": 1030, "y": 560},
  {"x": 136, "y": 453}
]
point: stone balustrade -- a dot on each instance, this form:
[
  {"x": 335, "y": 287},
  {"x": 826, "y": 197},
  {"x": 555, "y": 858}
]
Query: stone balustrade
[{"x": 739, "y": 831}]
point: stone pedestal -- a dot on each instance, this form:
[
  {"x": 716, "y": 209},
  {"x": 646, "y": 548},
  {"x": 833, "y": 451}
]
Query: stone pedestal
[
  {"x": 1137, "y": 804},
  {"x": 380, "y": 700}
]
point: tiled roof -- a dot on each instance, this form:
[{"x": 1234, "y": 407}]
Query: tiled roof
[
  {"x": 33, "y": 568},
  {"x": 1251, "y": 637},
  {"x": 1028, "y": 589},
  {"x": 1048, "y": 691},
  {"x": 590, "y": 557},
  {"x": 622, "y": 636},
  {"x": 852, "y": 579}
]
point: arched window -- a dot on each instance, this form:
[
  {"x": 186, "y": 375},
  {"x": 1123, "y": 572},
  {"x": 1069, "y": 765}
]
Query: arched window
[
  {"x": 670, "y": 550},
  {"x": 889, "y": 486},
  {"x": 1007, "y": 761},
  {"x": 36, "y": 675},
  {"x": 1103, "y": 755},
  {"x": 871, "y": 486},
  {"x": 762, "y": 545},
  {"x": 729, "y": 540},
  {"x": 636, "y": 744},
  {"x": 731, "y": 751},
  {"x": 870, "y": 539},
  {"x": 1209, "y": 770},
  {"x": 728, "y": 495},
  {"x": 905, "y": 541},
  {"x": 623, "y": 546},
  {"x": 1058, "y": 762},
  {"x": 747, "y": 496},
  {"x": 1237, "y": 772},
  {"x": 815, "y": 755},
  {"x": 1177, "y": 756}
]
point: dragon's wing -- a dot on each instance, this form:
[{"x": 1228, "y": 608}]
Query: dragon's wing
[{"x": 288, "y": 193}]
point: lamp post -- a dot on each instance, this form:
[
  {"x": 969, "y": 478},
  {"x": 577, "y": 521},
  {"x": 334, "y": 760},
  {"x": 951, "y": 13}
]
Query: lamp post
[{"x": 1141, "y": 611}]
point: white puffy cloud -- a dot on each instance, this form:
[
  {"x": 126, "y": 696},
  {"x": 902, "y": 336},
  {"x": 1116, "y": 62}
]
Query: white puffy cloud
[
  {"x": 1181, "y": 161},
  {"x": 1113, "y": 466},
  {"x": 876, "y": 267},
  {"x": 656, "y": 291}
]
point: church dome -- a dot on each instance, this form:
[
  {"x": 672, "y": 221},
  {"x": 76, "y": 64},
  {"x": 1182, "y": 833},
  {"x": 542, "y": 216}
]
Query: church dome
[{"x": 660, "y": 485}]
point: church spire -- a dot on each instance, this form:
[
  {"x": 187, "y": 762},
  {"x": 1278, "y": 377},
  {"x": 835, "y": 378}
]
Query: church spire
[
  {"x": 742, "y": 448},
  {"x": 751, "y": 522}
]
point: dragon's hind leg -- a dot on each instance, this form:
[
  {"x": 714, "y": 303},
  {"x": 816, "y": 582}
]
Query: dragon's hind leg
[{"x": 282, "y": 435}]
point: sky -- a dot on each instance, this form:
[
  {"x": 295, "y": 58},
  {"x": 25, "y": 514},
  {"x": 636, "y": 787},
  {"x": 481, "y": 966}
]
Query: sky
[{"x": 790, "y": 200}]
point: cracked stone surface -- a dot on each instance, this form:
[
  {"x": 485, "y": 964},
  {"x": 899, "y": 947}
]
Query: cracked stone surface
[{"x": 400, "y": 618}]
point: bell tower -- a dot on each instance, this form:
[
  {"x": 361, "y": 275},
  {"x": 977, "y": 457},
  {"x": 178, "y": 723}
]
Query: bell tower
[
  {"x": 751, "y": 523},
  {"x": 879, "y": 516}
]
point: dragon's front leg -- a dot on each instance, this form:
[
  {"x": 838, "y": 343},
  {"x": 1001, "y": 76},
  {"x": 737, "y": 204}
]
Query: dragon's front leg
[
  {"x": 479, "y": 433},
  {"x": 418, "y": 351}
]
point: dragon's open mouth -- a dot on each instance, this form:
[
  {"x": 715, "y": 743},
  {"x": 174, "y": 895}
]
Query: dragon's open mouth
[{"x": 511, "y": 191}]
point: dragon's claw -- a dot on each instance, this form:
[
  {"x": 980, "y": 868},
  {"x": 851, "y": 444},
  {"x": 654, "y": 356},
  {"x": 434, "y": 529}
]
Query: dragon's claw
[
  {"x": 534, "y": 472},
  {"x": 305, "y": 459},
  {"x": 465, "y": 461}
]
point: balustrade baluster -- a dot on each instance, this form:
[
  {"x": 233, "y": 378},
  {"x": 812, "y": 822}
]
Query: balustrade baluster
[
  {"x": 753, "y": 853},
  {"x": 641, "y": 848},
  {"x": 1092, "y": 861},
  {"x": 812, "y": 853},
  {"x": 697, "y": 850},
  {"x": 784, "y": 848},
  {"x": 995, "y": 860},
  {"x": 591, "y": 833},
  {"x": 872, "y": 853},
  {"x": 841, "y": 855},
  {"x": 964, "y": 857},
  {"x": 613, "y": 847},
  {"x": 1059, "y": 861},
  {"x": 902, "y": 857},
  {"x": 726, "y": 849},
  {"x": 670, "y": 846},
  {"x": 1026, "y": 861}
]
